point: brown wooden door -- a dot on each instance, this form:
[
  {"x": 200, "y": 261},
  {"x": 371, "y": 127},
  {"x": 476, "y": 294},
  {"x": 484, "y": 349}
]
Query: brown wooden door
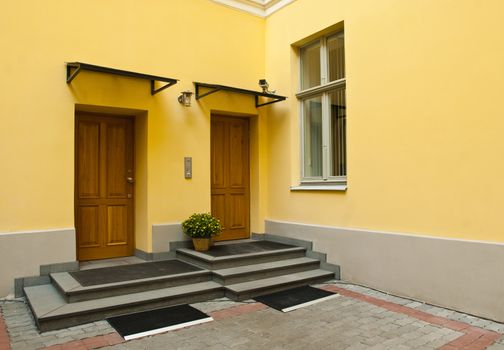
[
  {"x": 230, "y": 176},
  {"x": 103, "y": 186}
]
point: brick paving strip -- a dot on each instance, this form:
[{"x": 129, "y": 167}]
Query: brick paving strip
[
  {"x": 474, "y": 338},
  {"x": 4, "y": 336},
  {"x": 237, "y": 310},
  {"x": 89, "y": 343}
]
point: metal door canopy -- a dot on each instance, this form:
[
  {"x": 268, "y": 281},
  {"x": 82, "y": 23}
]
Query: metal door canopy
[
  {"x": 74, "y": 68},
  {"x": 215, "y": 88}
]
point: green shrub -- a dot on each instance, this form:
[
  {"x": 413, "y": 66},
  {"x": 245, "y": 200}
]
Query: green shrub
[{"x": 201, "y": 225}]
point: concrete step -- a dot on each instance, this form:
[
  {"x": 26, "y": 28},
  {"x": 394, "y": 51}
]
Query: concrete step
[
  {"x": 247, "y": 273},
  {"x": 51, "y": 311},
  {"x": 74, "y": 292},
  {"x": 247, "y": 290},
  {"x": 222, "y": 262}
]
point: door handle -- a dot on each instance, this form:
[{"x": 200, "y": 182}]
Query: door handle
[{"x": 130, "y": 180}]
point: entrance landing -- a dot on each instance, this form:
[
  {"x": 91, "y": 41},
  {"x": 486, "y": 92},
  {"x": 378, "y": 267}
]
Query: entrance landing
[
  {"x": 131, "y": 272},
  {"x": 245, "y": 248}
]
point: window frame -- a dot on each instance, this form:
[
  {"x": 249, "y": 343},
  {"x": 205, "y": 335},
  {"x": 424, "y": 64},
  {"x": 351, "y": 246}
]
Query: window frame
[{"x": 323, "y": 90}]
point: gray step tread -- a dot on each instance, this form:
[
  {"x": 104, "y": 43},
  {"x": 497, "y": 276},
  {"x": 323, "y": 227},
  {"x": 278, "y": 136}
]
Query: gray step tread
[
  {"x": 240, "y": 270},
  {"x": 47, "y": 303},
  {"x": 279, "y": 280},
  {"x": 69, "y": 285},
  {"x": 209, "y": 258}
]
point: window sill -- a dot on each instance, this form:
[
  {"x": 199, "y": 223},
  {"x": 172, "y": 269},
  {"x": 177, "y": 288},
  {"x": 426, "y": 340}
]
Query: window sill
[{"x": 303, "y": 187}]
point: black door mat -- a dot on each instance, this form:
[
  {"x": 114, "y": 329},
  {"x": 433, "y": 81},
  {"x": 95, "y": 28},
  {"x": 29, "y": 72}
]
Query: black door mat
[
  {"x": 245, "y": 248},
  {"x": 145, "y": 323},
  {"x": 295, "y": 298},
  {"x": 123, "y": 273}
]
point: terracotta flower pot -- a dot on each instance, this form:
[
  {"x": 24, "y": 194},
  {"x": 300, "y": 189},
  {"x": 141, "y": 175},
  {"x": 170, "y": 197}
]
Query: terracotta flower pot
[{"x": 201, "y": 244}]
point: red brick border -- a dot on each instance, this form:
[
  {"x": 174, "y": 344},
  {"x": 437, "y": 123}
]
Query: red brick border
[
  {"x": 474, "y": 338},
  {"x": 4, "y": 336},
  {"x": 237, "y": 310},
  {"x": 89, "y": 343}
]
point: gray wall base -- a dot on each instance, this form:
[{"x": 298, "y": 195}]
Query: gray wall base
[
  {"x": 284, "y": 239},
  {"x": 164, "y": 234},
  {"x": 59, "y": 267},
  {"x": 154, "y": 256},
  {"x": 45, "y": 270},
  {"x": 180, "y": 244},
  {"x": 457, "y": 274},
  {"x": 166, "y": 239},
  {"x": 20, "y": 283},
  {"x": 22, "y": 253}
]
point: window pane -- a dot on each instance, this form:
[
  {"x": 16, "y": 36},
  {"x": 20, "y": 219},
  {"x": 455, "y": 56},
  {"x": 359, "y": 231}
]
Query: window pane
[
  {"x": 312, "y": 137},
  {"x": 338, "y": 133},
  {"x": 310, "y": 66},
  {"x": 336, "y": 50}
]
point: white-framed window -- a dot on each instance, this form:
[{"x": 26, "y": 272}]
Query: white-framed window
[{"x": 323, "y": 110}]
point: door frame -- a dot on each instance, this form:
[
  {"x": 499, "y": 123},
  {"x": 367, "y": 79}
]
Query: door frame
[{"x": 132, "y": 234}]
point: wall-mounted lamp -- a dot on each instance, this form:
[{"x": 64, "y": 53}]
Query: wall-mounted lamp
[
  {"x": 185, "y": 98},
  {"x": 264, "y": 85}
]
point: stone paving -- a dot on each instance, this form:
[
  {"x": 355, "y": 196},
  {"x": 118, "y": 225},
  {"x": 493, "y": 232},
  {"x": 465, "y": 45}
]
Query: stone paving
[
  {"x": 24, "y": 335},
  {"x": 339, "y": 323},
  {"x": 361, "y": 318}
]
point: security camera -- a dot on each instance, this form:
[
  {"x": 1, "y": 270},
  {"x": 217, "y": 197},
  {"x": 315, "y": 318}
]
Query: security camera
[{"x": 264, "y": 85}]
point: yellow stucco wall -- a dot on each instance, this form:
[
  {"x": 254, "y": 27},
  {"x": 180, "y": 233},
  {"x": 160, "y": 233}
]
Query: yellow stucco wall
[
  {"x": 194, "y": 40},
  {"x": 424, "y": 120},
  {"x": 425, "y": 117}
]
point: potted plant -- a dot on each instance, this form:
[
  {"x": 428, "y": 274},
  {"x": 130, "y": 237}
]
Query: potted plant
[{"x": 201, "y": 227}]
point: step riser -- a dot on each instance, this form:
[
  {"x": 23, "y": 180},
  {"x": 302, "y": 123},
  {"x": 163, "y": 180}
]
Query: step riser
[
  {"x": 268, "y": 290},
  {"x": 225, "y": 280},
  {"x": 74, "y": 320},
  {"x": 242, "y": 261},
  {"x": 152, "y": 285}
]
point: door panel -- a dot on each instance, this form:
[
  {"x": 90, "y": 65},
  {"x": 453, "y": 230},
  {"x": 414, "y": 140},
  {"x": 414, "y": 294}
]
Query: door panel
[
  {"x": 218, "y": 151},
  {"x": 237, "y": 209},
  {"x": 237, "y": 155},
  {"x": 116, "y": 161},
  {"x": 218, "y": 207},
  {"x": 103, "y": 196},
  {"x": 88, "y": 156},
  {"x": 88, "y": 234},
  {"x": 230, "y": 175},
  {"x": 117, "y": 220}
]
